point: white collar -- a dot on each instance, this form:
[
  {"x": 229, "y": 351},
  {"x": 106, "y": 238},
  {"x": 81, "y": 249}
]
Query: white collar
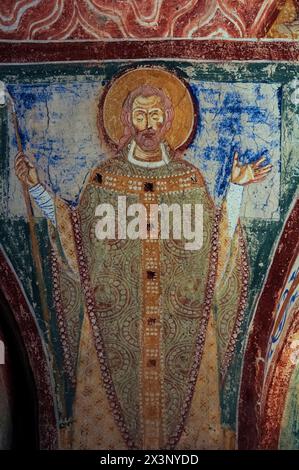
[{"x": 144, "y": 164}]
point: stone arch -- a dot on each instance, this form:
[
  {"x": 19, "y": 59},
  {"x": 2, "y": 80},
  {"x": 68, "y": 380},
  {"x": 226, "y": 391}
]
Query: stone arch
[{"x": 28, "y": 355}]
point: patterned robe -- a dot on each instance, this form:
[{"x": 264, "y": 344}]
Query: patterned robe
[{"x": 150, "y": 349}]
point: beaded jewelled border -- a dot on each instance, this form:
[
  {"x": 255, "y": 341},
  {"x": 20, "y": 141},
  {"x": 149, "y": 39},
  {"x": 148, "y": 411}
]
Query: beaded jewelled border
[{"x": 135, "y": 184}]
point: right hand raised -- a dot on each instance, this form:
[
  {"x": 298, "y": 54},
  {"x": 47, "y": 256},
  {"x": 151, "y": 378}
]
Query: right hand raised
[{"x": 25, "y": 170}]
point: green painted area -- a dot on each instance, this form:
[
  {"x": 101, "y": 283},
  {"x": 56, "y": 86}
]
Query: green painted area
[
  {"x": 262, "y": 235},
  {"x": 257, "y": 72}
]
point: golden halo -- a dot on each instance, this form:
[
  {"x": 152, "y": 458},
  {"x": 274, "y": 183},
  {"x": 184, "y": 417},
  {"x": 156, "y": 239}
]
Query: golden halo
[{"x": 184, "y": 112}]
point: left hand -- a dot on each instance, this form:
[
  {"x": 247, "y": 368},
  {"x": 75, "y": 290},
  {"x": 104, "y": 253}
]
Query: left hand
[{"x": 249, "y": 173}]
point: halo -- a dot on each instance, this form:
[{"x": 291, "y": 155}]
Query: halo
[{"x": 184, "y": 111}]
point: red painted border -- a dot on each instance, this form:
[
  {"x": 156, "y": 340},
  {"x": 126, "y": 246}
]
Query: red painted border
[
  {"x": 253, "y": 369},
  {"x": 201, "y": 49},
  {"x": 36, "y": 353}
]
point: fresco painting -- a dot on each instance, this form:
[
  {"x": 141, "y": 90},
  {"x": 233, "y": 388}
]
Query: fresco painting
[{"x": 149, "y": 227}]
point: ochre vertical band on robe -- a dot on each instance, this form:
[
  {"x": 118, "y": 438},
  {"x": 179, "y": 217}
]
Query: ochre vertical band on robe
[{"x": 151, "y": 402}]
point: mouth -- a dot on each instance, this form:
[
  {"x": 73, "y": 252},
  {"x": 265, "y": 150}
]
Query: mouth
[{"x": 148, "y": 134}]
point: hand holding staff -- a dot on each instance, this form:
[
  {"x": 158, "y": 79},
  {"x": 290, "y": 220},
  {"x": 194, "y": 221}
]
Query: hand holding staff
[{"x": 27, "y": 174}]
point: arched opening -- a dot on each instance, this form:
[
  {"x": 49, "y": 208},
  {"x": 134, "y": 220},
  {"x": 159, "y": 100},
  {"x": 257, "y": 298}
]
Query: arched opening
[{"x": 23, "y": 394}]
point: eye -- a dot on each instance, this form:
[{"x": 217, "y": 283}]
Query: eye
[
  {"x": 156, "y": 116},
  {"x": 139, "y": 117}
]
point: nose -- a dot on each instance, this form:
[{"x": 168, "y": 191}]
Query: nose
[{"x": 148, "y": 122}]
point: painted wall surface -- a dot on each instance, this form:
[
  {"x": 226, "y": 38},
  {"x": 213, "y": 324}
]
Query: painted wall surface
[
  {"x": 243, "y": 117},
  {"x": 74, "y": 19},
  {"x": 5, "y": 402},
  {"x": 290, "y": 427},
  {"x": 244, "y": 108},
  {"x": 243, "y": 103}
]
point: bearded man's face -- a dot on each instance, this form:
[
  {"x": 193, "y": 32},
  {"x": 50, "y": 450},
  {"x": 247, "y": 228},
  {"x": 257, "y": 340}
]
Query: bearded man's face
[{"x": 148, "y": 122}]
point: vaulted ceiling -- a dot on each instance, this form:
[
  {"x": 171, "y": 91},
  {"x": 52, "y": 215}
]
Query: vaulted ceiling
[{"x": 104, "y": 19}]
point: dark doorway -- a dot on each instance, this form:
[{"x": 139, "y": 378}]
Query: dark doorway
[{"x": 24, "y": 396}]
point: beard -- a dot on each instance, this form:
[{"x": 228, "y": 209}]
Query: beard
[{"x": 149, "y": 139}]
